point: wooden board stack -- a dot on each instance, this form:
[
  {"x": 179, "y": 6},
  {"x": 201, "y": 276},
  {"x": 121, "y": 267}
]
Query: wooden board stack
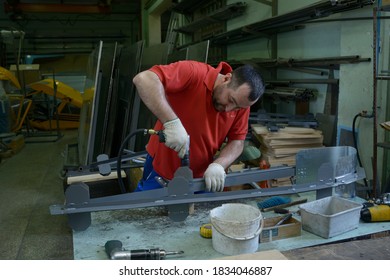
[
  {"x": 386, "y": 125},
  {"x": 280, "y": 148}
]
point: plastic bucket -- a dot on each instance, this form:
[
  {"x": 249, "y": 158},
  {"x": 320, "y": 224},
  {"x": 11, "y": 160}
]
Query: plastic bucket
[{"x": 236, "y": 228}]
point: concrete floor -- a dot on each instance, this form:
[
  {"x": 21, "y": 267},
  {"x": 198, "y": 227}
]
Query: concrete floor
[
  {"x": 376, "y": 247},
  {"x": 30, "y": 182}
]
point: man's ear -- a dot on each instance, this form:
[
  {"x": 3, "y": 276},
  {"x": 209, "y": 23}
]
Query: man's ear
[{"x": 227, "y": 77}]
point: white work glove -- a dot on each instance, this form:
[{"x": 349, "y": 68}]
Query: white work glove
[
  {"x": 215, "y": 177},
  {"x": 176, "y": 137}
]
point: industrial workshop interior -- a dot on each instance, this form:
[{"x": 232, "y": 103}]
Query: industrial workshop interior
[{"x": 312, "y": 181}]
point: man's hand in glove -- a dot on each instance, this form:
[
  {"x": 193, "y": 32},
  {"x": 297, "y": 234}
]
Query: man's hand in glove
[
  {"x": 176, "y": 137},
  {"x": 215, "y": 177}
]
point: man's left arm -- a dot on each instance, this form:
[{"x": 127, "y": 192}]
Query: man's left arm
[
  {"x": 215, "y": 173},
  {"x": 230, "y": 153}
]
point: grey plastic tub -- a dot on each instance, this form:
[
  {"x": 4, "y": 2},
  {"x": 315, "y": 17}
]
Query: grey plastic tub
[{"x": 330, "y": 216}]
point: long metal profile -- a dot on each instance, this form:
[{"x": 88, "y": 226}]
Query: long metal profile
[
  {"x": 308, "y": 13},
  {"x": 161, "y": 197},
  {"x": 124, "y": 201},
  {"x": 318, "y": 170},
  {"x": 338, "y": 166}
]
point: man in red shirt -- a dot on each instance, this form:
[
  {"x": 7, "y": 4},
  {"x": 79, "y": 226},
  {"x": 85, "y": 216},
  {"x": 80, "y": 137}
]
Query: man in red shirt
[{"x": 198, "y": 108}]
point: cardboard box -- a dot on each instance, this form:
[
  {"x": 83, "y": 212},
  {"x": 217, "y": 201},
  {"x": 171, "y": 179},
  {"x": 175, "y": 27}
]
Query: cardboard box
[
  {"x": 385, "y": 6},
  {"x": 270, "y": 232}
]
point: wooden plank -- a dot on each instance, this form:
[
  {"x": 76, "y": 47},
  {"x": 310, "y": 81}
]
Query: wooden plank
[
  {"x": 281, "y": 135},
  {"x": 262, "y": 255},
  {"x": 260, "y": 129},
  {"x": 280, "y": 148},
  {"x": 289, "y": 160},
  {"x": 94, "y": 177},
  {"x": 297, "y": 142},
  {"x": 287, "y": 151}
]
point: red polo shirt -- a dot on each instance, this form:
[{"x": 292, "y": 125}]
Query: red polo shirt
[{"x": 188, "y": 88}]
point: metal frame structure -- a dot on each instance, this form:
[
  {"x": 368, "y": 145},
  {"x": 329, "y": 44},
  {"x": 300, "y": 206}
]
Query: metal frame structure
[{"x": 317, "y": 170}]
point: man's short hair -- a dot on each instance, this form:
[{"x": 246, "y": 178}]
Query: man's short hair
[{"x": 250, "y": 75}]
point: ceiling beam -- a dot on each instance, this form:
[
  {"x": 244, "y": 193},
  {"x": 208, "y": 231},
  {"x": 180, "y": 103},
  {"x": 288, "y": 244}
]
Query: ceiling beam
[{"x": 56, "y": 8}]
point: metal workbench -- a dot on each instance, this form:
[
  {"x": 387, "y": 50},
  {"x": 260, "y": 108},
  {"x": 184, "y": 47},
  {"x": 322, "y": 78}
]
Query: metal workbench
[{"x": 147, "y": 228}]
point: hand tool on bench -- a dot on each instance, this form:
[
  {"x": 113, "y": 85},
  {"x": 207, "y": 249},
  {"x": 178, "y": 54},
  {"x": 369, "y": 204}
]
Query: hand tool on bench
[
  {"x": 115, "y": 251},
  {"x": 292, "y": 203},
  {"x": 284, "y": 219}
]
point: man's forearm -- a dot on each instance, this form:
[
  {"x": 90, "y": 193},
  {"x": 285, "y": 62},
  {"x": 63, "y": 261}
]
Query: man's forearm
[
  {"x": 230, "y": 153},
  {"x": 151, "y": 91}
]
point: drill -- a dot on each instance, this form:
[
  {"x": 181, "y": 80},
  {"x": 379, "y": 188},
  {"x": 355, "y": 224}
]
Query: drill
[
  {"x": 375, "y": 213},
  {"x": 185, "y": 161},
  {"x": 115, "y": 251}
]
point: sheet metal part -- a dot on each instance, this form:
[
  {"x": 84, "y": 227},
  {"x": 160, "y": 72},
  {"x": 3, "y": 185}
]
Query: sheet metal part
[
  {"x": 107, "y": 102},
  {"x": 134, "y": 108},
  {"x": 102, "y": 98},
  {"x": 86, "y": 115},
  {"x": 151, "y": 55},
  {"x": 340, "y": 163}
]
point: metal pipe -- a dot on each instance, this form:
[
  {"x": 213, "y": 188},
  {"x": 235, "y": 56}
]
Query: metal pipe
[
  {"x": 312, "y": 62},
  {"x": 306, "y": 70},
  {"x": 306, "y": 81},
  {"x": 316, "y": 10},
  {"x": 56, "y": 8},
  {"x": 374, "y": 103}
]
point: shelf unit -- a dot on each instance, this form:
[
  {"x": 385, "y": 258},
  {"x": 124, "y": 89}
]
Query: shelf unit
[
  {"x": 220, "y": 15},
  {"x": 277, "y": 23},
  {"x": 204, "y": 19},
  {"x": 377, "y": 77}
]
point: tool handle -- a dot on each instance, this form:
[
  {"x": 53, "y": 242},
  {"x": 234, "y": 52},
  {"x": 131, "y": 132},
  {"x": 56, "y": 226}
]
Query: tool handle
[
  {"x": 161, "y": 136},
  {"x": 185, "y": 161},
  {"x": 144, "y": 254},
  {"x": 292, "y": 203},
  {"x": 112, "y": 246},
  {"x": 284, "y": 219}
]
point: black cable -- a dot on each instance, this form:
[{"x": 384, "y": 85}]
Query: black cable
[
  {"x": 354, "y": 138},
  {"x": 119, "y": 160},
  {"x": 355, "y": 141}
]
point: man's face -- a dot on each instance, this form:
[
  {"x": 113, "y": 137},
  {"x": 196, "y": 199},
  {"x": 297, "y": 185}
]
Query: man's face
[{"x": 226, "y": 99}]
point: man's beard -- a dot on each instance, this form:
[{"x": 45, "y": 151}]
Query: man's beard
[{"x": 218, "y": 106}]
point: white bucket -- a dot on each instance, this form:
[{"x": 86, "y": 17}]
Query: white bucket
[{"x": 236, "y": 228}]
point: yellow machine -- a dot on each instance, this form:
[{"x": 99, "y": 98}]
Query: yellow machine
[
  {"x": 20, "y": 106},
  {"x": 67, "y": 95},
  {"x": 7, "y": 75}
]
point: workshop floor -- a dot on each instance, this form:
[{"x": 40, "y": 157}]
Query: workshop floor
[{"x": 30, "y": 182}]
